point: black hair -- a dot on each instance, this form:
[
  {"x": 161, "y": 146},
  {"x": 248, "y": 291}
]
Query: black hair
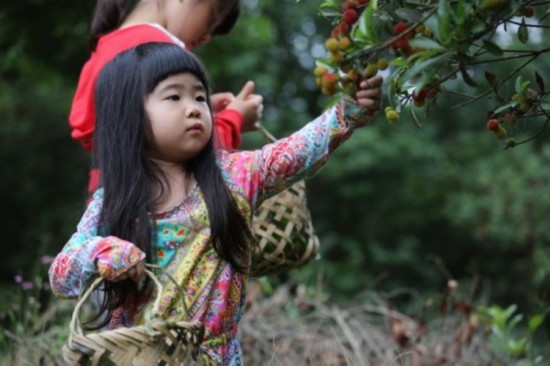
[
  {"x": 108, "y": 15},
  {"x": 130, "y": 179},
  {"x": 231, "y": 12}
]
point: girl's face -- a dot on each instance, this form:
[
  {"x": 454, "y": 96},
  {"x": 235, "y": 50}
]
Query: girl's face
[
  {"x": 180, "y": 119},
  {"x": 193, "y": 21}
]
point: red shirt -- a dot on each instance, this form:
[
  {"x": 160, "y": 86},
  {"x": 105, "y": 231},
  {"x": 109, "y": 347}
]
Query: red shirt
[{"x": 228, "y": 122}]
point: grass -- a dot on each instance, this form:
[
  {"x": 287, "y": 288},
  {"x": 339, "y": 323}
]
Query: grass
[{"x": 297, "y": 326}]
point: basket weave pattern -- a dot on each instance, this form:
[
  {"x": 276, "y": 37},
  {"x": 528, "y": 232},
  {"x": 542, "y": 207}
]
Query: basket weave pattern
[
  {"x": 284, "y": 230},
  {"x": 158, "y": 342}
]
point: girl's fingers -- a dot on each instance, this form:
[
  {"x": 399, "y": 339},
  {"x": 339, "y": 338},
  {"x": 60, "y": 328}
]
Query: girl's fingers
[
  {"x": 139, "y": 271},
  {"x": 369, "y": 93},
  {"x": 371, "y": 104},
  {"x": 371, "y": 83}
]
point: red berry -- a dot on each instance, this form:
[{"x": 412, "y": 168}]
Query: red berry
[
  {"x": 344, "y": 28},
  {"x": 400, "y": 27},
  {"x": 362, "y": 2},
  {"x": 350, "y": 16},
  {"x": 420, "y": 96},
  {"x": 350, "y": 4},
  {"x": 493, "y": 124},
  {"x": 401, "y": 43}
]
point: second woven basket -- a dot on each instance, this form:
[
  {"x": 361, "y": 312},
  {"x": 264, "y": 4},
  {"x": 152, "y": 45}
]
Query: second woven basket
[{"x": 284, "y": 230}]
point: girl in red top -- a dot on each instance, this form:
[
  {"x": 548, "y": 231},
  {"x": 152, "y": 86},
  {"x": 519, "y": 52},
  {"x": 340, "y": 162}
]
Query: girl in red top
[{"x": 188, "y": 23}]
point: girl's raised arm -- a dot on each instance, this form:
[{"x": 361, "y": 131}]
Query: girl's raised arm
[{"x": 277, "y": 166}]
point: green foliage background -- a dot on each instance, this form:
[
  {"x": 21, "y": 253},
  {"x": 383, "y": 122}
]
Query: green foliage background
[{"x": 396, "y": 207}]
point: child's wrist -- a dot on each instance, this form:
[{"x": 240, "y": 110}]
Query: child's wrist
[{"x": 356, "y": 114}]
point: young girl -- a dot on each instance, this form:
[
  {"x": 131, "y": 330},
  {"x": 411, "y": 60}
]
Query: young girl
[
  {"x": 188, "y": 23},
  {"x": 169, "y": 198}
]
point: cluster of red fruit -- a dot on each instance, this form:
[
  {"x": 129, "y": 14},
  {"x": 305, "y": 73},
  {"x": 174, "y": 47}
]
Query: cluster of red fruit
[
  {"x": 341, "y": 74},
  {"x": 337, "y": 45}
]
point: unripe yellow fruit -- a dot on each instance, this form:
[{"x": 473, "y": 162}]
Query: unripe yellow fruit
[
  {"x": 319, "y": 80},
  {"x": 500, "y": 132},
  {"x": 382, "y": 64},
  {"x": 392, "y": 116},
  {"x": 516, "y": 98},
  {"x": 353, "y": 74},
  {"x": 420, "y": 29},
  {"x": 344, "y": 43},
  {"x": 337, "y": 57},
  {"x": 320, "y": 71},
  {"x": 332, "y": 44},
  {"x": 427, "y": 31},
  {"x": 388, "y": 108},
  {"x": 524, "y": 107},
  {"x": 371, "y": 69}
]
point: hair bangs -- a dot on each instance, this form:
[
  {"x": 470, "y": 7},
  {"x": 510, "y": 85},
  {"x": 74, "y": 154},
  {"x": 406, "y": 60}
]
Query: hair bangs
[{"x": 162, "y": 60}]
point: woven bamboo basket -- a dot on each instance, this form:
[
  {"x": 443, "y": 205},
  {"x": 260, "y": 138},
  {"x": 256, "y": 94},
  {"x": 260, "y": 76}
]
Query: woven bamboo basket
[
  {"x": 158, "y": 342},
  {"x": 284, "y": 230}
]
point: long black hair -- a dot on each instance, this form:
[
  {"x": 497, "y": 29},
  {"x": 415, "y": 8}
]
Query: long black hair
[
  {"x": 108, "y": 15},
  {"x": 130, "y": 179}
]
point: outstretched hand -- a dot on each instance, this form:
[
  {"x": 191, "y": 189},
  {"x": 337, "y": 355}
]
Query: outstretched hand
[
  {"x": 250, "y": 106},
  {"x": 369, "y": 93}
]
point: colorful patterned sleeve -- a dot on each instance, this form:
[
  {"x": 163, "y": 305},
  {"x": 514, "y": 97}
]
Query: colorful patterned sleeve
[
  {"x": 87, "y": 254},
  {"x": 268, "y": 171}
]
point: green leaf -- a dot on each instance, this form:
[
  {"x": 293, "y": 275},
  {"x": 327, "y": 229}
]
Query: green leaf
[
  {"x": 540, "y": 81},
  {"x": 426, "y": 43},
  {"x": 330, "y": 4},
  {"x": 399, "y": 62},
  {"x": 365, "y": 24},
  {"x": 535, "y": 322},
  {"x": 330, "y": 12},
  {"x": 523, "y": 32},
  {"x": 521, "y": 85},
  {"x": 492, "y": 47},
  {"x": 410, "y": 15},
  {"x": 373, "y": 4},
  {"x": 505, "y": 107},
  {"x": 422, "y": 65},
  {"x": 443, "y": 21}
]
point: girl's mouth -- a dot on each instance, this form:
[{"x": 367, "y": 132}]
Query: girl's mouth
[{"x": 196, "y": 127}]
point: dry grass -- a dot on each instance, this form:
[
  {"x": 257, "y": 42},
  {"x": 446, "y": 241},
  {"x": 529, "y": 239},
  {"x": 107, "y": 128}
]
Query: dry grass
[{"x": 295, "y": 329}]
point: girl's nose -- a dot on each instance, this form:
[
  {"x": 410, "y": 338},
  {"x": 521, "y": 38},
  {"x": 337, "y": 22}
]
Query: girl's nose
[{"x": 192, "y": 111}]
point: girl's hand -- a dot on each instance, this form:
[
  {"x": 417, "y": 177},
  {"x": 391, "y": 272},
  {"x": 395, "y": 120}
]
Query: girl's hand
[
  {"x": 369, "y": 93},
  {"x": 220, "y": 101},
  {"x": 249, "y": 105},
  {"x": 134, "y": 273}
]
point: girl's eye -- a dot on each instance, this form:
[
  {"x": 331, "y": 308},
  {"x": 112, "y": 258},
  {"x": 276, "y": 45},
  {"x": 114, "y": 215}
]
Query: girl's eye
[
  {"x": 201, "y": 98},
  {"x": 174, "y": 97}
]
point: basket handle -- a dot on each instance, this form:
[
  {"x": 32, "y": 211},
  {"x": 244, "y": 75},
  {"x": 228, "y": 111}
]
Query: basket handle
[
  {"x": 266, "y": 133},
  {"x": 75, "y": 324}
]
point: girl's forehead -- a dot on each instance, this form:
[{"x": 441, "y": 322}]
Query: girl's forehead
[{"x": 182, "y": 78}]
